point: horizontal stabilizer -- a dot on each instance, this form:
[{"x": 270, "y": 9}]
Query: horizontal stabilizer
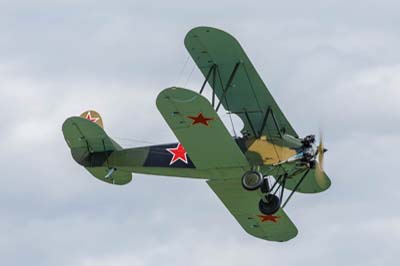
[{"x": 82, "y": 133}]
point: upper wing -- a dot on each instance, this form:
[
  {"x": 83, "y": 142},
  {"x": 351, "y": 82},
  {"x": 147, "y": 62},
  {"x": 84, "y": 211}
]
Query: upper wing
[
  {"x": 236, "y": 82},
  {"x": 243, "y": 205},
  {"x": 200, "y": 130}
]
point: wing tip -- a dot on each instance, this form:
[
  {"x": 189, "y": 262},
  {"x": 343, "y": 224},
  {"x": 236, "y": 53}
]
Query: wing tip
[
  {"x": 196, "y": 30},
  {"x": 275, "y": 237},
  {"x": 177, "y": 94}
]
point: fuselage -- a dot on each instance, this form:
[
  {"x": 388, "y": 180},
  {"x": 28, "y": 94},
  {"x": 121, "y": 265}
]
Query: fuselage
[{"x": 172, "y": 159}]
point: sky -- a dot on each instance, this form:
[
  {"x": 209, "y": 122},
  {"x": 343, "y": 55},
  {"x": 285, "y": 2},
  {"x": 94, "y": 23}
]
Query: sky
[{"x": 329, "y": 64}]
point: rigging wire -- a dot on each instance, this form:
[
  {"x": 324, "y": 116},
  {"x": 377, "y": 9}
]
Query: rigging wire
[
  {"x": 182, "y": 70},
  {"x": 135, "y": 140},
  {"x": 190, "y": 75}
]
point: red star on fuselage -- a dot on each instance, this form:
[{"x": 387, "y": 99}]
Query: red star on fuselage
[
  {"x": 266, "y": 218},
  {"x": 179, "y": 153},
  {"x": 200, "y": 119},
  {"x": 90, "y": 118}
]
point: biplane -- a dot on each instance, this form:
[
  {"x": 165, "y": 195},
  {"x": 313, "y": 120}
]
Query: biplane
[{"x": 254, "y": 174}]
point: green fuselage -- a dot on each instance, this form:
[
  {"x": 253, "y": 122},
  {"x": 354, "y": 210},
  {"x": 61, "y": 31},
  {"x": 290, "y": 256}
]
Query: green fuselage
[{"x": 158, "y": 160}]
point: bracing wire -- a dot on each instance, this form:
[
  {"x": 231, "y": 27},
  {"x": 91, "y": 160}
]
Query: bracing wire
[
  {"x": 182, "y": 70},
  {"x": 134, "y": 140},
  {"x": 190, "y": 75}
]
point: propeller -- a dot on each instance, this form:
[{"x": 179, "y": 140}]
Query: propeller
[{"x": 319, "y": 169}]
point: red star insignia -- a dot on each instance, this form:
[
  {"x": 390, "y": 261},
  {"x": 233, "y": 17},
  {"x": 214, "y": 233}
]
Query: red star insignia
[
  {"x": 200, "y": 119},
  {"x": 90, "y": 118},
  {"x": 266, "y": 218},
  {"x": 179, "y": 153}
]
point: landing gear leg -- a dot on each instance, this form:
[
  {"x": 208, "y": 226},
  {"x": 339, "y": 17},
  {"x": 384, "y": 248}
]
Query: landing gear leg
[{"x": 270, "y": 202}]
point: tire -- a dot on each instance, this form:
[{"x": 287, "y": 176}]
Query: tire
[
  {"x": 252, "y": 180},
  {"x": 271, "y": 206}
]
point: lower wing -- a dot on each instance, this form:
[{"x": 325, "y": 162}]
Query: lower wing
[{"x": 243, "y": 205}]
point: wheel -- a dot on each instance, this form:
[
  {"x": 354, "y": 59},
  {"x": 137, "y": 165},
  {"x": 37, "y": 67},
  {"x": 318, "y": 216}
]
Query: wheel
[
  {"x": 270, "y": 205},
  {"x": 252, "y": 180}
]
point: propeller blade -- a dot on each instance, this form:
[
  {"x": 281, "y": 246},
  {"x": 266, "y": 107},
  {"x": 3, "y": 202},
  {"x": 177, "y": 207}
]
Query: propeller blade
[
  {"x": 320, "y": 176},
  {"x": 319, "y": 169}
]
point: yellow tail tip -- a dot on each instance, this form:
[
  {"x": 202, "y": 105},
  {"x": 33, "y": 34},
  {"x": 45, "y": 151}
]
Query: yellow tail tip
[{"x": 93, "y": 116}]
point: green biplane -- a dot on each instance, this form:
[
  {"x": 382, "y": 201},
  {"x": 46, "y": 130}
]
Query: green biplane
[{"x": 248, "y": 173}]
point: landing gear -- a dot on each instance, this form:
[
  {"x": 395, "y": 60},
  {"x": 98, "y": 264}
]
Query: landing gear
[
  {"x": 271, "y": 196},
  {"x": 269, "y": 204},
  {"x": 252, "y": 180}
]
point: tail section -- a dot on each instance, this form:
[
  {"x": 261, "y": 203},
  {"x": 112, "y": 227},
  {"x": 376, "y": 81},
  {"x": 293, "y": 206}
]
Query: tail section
[{"x": 91, "y": 146}]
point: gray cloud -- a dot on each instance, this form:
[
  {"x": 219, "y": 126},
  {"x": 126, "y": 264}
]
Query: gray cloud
[{"x": 330, "y": 64}]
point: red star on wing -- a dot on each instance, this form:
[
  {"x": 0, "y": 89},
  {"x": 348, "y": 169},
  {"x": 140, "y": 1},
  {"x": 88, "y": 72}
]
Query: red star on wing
[
  {"x": 179, "y": 153},
  {"x": 200, "y": 119},
  {"x": 266, "y": 218},
  {"x": 90, "y": 118}
]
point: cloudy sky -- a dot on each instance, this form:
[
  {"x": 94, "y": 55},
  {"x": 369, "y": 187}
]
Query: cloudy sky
[{"x": 329, "y": 64}]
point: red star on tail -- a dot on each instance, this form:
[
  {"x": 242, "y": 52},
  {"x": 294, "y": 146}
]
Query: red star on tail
[
  {"x": 266, "y": 218},
  {"x": 179, "y": 153},
  {"x": 200, "y": 119},
  {"x": 90, "y": 118}
]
